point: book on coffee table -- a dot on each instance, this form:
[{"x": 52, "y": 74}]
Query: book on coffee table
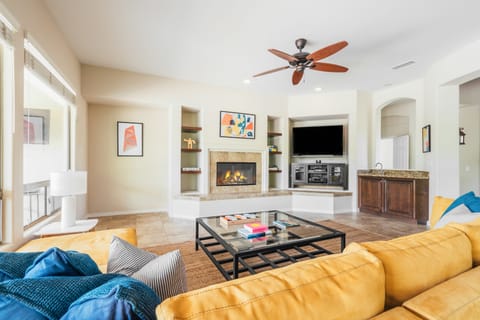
[
  {"x": 284, "y": 224},
  {"x": 250, "y": 235},
  {"x": 255, "y": 227},
  {"x": 236, "y": 219}
]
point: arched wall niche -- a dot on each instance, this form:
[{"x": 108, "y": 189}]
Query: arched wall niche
[{"x": 395, "y": 134}]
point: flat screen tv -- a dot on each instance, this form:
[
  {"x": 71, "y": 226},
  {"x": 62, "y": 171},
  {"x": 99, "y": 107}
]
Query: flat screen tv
[{"x": 324, "y": 140}]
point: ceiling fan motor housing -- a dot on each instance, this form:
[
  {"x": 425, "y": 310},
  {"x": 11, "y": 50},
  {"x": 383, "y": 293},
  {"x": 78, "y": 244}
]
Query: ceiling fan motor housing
[{"x": 300, "y": 43}]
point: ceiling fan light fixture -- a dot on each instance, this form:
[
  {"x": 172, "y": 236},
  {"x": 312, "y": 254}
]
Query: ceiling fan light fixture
[{"x": 304, "y": 60}]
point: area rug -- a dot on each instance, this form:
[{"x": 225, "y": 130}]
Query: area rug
[{"x": 201, "y": 272}]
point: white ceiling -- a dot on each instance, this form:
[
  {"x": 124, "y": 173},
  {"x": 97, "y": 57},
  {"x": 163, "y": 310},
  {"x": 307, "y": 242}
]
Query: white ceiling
[{"x": 223, "y": 42}]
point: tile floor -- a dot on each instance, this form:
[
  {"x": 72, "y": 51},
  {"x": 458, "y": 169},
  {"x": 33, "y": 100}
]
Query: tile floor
[{"x": 157, "y": 228}]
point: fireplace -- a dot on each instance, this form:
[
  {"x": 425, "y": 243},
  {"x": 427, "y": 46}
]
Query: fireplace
[
  {"x": 236, "y": 173},
  {"x": 248, "y": 179}
]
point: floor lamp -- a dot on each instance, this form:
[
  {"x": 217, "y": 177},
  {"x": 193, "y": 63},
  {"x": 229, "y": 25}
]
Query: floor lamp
[{"x": 68, "y": 184}]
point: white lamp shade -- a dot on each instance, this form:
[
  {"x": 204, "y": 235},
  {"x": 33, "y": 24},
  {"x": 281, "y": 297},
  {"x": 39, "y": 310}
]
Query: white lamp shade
[{"x": 68, "y": 183}]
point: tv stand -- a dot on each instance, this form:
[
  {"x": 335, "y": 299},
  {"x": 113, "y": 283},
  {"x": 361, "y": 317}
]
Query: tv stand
[{"x": 319, "y": 174}]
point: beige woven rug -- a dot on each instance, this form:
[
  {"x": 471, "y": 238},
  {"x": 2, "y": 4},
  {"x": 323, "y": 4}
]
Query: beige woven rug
[{"x": 201, "y": 272}]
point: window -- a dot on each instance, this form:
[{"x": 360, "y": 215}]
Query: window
[
  {"x": 6, "y": 108},
  {"x": 46, "y": 130}
]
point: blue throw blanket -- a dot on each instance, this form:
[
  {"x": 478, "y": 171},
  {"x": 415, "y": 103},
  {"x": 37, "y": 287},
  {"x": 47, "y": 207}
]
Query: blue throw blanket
[
  {"x": 66, "y": 284},
  {"x": 14, "y": 264},
  {"x": 51, "y": 296}
]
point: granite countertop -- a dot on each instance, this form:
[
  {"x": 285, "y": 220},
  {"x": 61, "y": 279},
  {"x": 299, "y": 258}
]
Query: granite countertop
[{"x": 389, "y": 173}]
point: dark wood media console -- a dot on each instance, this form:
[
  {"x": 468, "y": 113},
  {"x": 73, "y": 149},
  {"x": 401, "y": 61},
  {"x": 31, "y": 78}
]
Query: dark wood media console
[{"x": 319, "y": 174}]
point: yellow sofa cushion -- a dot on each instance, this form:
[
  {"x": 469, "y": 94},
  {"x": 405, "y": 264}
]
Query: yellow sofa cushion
[
  {"x": 96, "y": 244},
  {"x": 340, "y": 286},
  {"x": 440, "y": 204},
  {"x": 397, "y": 313},
  {"x": 417, "y": 262},
  {"x": 455, "y": 299},
  {"x": 472, "y": 230}
]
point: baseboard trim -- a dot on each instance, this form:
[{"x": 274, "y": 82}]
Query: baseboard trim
[{"x": 125, "y": 212}]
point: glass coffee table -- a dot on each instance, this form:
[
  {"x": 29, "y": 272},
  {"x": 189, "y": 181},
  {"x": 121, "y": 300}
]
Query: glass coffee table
[{"x": 233, "y": 254}]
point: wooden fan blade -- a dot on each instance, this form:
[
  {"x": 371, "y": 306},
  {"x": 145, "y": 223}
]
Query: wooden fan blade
[
  {"x": 296, "y": 77},
  {"x": 271, "y": 71},
  {"x": 328, "y": 67},
  {"x": 283, "y": 55},
  {"x": 327, "y": 51}
]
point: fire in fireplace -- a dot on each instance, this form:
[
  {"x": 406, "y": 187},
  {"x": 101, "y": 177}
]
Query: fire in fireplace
[{"x": 236, "y": 173}]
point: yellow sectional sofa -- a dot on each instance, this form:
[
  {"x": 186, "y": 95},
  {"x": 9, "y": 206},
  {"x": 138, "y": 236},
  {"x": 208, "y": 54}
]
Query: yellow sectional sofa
[{"x": 429, "y": 275}]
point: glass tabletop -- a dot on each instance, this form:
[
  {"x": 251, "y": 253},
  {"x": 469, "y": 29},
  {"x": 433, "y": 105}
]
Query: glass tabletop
[{"x": 282, "y": 227}]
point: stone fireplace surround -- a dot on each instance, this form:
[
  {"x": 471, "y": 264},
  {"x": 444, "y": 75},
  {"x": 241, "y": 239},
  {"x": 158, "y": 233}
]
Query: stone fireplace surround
[{"x": 229, "y": 156}]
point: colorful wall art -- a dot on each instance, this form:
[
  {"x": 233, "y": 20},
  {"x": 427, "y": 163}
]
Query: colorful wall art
[
  {"x": 426, "y": 142},
  {"x": 129, "y": 139},
  {"x": 36, "y": 123},
  {"x": 237, "y": 125}
]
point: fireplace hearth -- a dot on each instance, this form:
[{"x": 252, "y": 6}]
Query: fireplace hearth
[{"x": 236, "y": 174}]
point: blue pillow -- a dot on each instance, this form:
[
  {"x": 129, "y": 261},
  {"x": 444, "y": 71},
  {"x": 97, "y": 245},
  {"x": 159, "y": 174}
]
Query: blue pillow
[
  {"x": 120, "y": 298},
  {"x": 463, "y": 199},
  {"x": 474, "y": 204},
  {"x": 14, "y": 264},
  {"x": 56, "y": 262},
  {"x": 11, "y": 309}
]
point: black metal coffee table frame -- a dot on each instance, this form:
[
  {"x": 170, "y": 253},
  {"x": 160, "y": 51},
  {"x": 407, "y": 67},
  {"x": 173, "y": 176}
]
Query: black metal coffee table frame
[{"x": 283, "y": 250}]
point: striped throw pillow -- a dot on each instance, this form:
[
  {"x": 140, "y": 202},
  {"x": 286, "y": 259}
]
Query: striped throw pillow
[{"x": 165, "y": 274}]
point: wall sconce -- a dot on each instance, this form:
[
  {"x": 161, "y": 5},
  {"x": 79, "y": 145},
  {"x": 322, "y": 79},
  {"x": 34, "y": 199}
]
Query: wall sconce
[{"x": 462, "y": 135}]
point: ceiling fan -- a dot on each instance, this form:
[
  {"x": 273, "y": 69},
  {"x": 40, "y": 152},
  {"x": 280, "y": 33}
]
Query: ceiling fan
[{"x": 303, "y": 60}]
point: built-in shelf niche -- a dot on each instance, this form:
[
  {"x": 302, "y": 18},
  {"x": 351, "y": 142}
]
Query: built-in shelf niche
[
  {"x": 190, "y": 157},
  {"x": 274, "y": 146}
]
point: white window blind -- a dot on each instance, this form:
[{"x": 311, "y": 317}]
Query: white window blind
[
  {"x": 39, "y": 66},
  {"x": 6, "y": 30}
]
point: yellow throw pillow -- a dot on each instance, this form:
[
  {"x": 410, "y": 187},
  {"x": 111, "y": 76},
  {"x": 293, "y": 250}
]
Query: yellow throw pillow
[{"x": 440, "y": 204}]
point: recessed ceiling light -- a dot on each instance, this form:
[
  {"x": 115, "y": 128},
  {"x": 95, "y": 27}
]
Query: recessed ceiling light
[
  {"x": 246, "y": 81},
  {"x": 318, "y": 89}
]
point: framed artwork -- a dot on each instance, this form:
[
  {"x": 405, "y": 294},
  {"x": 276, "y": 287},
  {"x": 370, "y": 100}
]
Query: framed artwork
[
  {"x": 237, "y": 125},
  {"x": 36, "y": 124},
  {"x": 426, "y": 142},
  {"x": 129, "y": 139}
]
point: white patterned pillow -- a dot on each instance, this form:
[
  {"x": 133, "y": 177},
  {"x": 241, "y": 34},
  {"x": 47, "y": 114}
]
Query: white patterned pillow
[
  {"x": 459, "y": 214},
  {"x": 165, "y": 274},
  {"x": 125, "y": 258}
]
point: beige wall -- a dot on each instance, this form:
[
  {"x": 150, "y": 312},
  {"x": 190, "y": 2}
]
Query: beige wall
[
  {"x": 136, "y": 93},
  {"x": 469, "y": 119},
  {"x": 127, "y": 184}
]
